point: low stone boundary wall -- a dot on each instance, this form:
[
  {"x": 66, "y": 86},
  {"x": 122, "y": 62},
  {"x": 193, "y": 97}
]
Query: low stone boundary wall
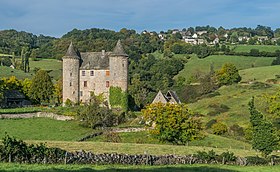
[{"x": 37, "y": 114}]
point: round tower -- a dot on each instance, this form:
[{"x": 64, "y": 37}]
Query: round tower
[
  {"x": 71, "y": 66},
  {"x": 118, "y": 62}
]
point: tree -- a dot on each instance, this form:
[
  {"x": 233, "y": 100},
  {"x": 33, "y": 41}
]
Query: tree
[
  {"x": 41, "y": 89},
  {"x": 58, "y": 91},
  {"x": 174, "y": 123},
  {"x": 96, "y": 113},
  {"x": 228, "y": 74},
  {"x": 264, "y": 136}
]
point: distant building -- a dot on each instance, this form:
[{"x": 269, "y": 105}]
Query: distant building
[
  {"x": 95, "y": 72},
  {"x": 169, "y": 97},
  {"x": 14, "y": 98}
]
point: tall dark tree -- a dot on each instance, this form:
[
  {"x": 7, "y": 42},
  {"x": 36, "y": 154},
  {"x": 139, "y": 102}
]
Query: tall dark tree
[{"x": 264, "y": 136}]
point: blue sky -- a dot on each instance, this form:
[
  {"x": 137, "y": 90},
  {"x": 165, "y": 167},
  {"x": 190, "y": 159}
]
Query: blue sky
[{"x": 57, "y": 17}]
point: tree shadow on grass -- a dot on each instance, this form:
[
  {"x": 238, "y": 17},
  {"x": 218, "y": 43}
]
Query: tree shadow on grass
[{"x": 148, "y": 169}]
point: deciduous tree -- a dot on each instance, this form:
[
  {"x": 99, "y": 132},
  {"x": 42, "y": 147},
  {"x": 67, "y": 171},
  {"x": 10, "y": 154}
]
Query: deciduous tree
[
  {"x": 41, "y": 89},
  {"x": 174, "y": 123}
]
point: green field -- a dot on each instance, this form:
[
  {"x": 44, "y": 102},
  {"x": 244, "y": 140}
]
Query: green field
[
  {"x": 8, "y": 72},
  {"x": 42, "y": 129},
  {"x": 247, "y": 48},
  {"x": 236, "y": 97},
  {"x": 5, "y": 167},
  {"x": 54, "y": 67},
  {"x": 259, "y": 74},
  {"x": 241, "y": 62}
]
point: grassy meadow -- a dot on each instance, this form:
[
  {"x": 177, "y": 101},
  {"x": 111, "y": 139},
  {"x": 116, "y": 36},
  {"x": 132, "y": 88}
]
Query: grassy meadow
[
  {"x": 5, "y": 167},
  {"x": 195, "y": 64},
  {"x": 236, "y": 98},
  {"x": 260, "y": 74},
  {"x": 42, "y": 129},
  {"x": 53, "y": 66}
]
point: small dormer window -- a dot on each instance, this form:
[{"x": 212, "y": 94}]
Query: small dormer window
[{"x": 83, "y": 73}]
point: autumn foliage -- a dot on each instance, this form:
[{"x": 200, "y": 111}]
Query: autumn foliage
[{"x": 172, "y": 122}]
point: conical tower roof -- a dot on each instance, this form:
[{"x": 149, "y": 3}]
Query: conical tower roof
[
  {"x": 118, "y": 50},
  {"x": 71, "y": 52}
]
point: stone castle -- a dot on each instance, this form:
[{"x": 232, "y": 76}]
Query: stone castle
[{"x": 86, "y": 72}]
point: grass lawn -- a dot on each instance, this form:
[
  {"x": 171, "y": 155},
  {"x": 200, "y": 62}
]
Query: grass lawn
[
  {"x": 241, "y": 62},
  {"x": 260, "y": 73},
  {"x": 5, "y": 167},
  {"x": 247, "y": 48},
  {"x": 42, "y": 129},
  {"x": 7, "y": 72}
]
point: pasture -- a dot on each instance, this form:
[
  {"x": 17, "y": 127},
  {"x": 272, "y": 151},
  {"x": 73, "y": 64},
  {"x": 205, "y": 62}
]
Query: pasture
[
  {"x": 43, "y": 129},
  {"x": 196, "y": 65}
]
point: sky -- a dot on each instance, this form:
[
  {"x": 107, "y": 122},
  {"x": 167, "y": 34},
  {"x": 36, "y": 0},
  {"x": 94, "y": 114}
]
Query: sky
[{"x": 57, "y": 17}]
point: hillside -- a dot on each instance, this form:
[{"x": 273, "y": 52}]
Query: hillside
[
  {"x": 196, "y": 65},
  {"x": 261, "y": 74}
]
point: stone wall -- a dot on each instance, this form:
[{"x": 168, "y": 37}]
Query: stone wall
[{"x": 37, "y": 114}]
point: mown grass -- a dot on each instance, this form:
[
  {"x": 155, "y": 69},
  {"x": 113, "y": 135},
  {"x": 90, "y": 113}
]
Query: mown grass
[
  {"x": 134, "y": 148},
  {"x": 261, "y": 74},
  {"x": 195, "y": 64},
  {"x": 247, "y": 48},
  {"x": 42, "y": 129},
  {"x": 5, "y": 167}
]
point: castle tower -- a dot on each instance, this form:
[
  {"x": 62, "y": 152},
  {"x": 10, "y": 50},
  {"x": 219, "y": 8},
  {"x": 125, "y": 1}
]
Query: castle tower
[
  {"x": 71, "y": 65},
  {"x": 118, "y": 61}
]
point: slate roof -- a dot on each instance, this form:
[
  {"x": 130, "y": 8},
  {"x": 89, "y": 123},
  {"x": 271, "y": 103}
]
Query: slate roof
[
  {"x": 173, "y": 94},
  {"x": 95, "y": 60},
  {"x": 71, "y": 52},
  {"x": 13, "y": 94},
  {"x": 118, "y": 50}
]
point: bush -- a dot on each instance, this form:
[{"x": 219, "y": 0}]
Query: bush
[
  {"x": 226, "y": 157},
  {"x": 219, "y": 128},
  {"x": 112, "y": 137},
  {"x": 206, "y": 156},
  {"x": 210, "y": 123},
  {"x": 14, "y": 150},
  {"x": 236, "y": 130}
]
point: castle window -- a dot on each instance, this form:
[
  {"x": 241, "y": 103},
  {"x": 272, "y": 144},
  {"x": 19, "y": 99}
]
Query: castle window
[
  {"x": 107, "y": 84},
  {"x": 85, "y": 83},
  {"x": 107, "y": 73},
  {"x": 83, "y": 73},
  {"x": 91, "y": 73},
  {"x": 123, "y": 65},
  {"x": 70, "y": 84},
  {"x": 70, "y": 74},
  {"x": 81, "y": 93}
]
